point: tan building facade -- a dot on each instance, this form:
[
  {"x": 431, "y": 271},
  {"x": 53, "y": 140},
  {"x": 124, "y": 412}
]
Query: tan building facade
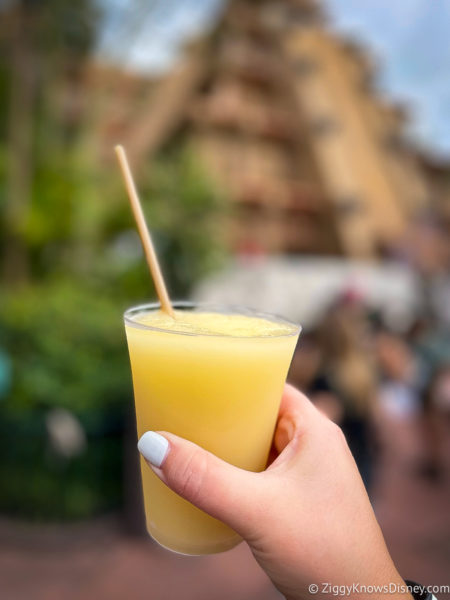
[
  {"x": 284, "y": 117},
  {"x": 372, "y": 179}
]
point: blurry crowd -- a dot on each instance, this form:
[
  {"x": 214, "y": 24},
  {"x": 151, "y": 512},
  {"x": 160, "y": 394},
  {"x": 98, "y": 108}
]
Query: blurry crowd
[
  {"x": 387, "y": 382},
  {"x": 377, "y": 383}
]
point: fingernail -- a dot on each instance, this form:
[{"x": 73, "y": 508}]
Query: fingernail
[{"x": 153, "y": 447}]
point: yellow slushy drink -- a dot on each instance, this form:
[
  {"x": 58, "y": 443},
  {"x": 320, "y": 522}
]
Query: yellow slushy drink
[{"x": 215, "y": 377}]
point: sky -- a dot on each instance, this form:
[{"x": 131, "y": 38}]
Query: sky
[{"x": 407, "y": 38}]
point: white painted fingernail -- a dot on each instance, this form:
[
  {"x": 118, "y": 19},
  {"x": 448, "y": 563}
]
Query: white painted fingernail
[{"x": 153, "y": 447}]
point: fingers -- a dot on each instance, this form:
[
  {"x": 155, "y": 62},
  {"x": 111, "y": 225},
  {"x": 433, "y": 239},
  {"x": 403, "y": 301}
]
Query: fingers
[
  {"x": 296, "y": 414},
  {"x": 230, "y": 494},
  {"x": 294, "y": 401},
  {"x": 220, "y": 489}
]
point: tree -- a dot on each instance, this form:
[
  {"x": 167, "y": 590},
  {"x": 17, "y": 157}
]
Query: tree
[{"x": 44, "y": 46}]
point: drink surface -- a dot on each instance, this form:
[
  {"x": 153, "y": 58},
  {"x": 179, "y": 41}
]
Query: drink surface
[
  {"x": 216, "y": 380},
  {"x": 204, "y": 323}
]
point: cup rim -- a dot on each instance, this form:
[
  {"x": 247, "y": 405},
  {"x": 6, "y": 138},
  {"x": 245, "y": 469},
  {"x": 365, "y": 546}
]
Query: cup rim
[{"x": 211, "y": 307}]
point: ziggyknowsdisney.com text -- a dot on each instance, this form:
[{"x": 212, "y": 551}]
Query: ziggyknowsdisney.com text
[{"x": 388, "y": 588}]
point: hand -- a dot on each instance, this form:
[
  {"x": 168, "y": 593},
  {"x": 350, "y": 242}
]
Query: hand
[{"x": 307, "y": 518}]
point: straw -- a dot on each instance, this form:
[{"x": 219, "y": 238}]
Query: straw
[{"x": 149, "y": 250}]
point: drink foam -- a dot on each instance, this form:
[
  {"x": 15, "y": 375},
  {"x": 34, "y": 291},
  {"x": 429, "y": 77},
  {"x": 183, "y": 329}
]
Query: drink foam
[{"x": 208, "y": 323}]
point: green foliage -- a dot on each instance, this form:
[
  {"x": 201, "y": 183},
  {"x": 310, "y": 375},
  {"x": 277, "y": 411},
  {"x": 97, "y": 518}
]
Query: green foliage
[
  {"x": 37, "y": 484},
  {"x": 80, "y": 222},
  {"x": 65, "y": 337},
  {"x": 67, "y": 347},
  {"x": 184, "y": 209},
  {"x": 81, "y": 265},
  {"x": 62, "y": 29}
]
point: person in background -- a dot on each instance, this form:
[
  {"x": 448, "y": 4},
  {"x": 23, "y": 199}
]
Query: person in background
[
  {"x": 436, "y": 421},
  {"x": 430, "y": 341},
  {"x": 399, "y": 372},
  {"x": 398, "y": 414},
  {"x": 340, "y": 375},
  {"x": 306, "y": 361}
]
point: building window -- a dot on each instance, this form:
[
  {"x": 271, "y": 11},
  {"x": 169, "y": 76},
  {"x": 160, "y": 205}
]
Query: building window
[
  {"x": 305, "y": 65},
  {"x": 394, "y": 142},
  {"x": 350, "y": 206},
  {"x": 324, "y": 125},
  {"x": 307, "y": 14}
]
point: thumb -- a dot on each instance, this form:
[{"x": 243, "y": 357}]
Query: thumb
[{"x": 225, "y": 492}]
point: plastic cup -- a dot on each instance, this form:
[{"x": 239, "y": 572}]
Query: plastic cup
[{"x": 221, "y": 392}]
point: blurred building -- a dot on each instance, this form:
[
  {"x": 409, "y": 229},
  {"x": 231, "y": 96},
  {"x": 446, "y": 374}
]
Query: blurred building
[
  {"x": 438, "y": 177},
  {"x": 371, "y": 176},
  {"x": 285, "y": 118}
]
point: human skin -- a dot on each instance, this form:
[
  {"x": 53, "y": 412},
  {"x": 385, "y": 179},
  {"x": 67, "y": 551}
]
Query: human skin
[{"x": 307, "y": 518}]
